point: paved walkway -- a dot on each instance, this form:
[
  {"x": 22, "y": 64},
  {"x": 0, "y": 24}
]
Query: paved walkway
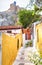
[{"x": 21, "y": 57}]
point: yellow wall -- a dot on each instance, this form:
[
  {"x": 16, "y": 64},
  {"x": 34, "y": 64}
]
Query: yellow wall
[
  {"x": 39, "y": 38},
  {"x": 9, "y": 48}
]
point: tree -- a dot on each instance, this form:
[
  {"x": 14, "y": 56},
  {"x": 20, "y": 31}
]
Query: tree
[{"x": 27, "y": 17}]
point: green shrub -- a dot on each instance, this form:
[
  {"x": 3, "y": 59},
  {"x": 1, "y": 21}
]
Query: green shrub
[{"x": 29, "y": 44}]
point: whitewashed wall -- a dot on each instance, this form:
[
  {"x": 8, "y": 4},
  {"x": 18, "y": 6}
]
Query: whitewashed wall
[
  {"x": 24, "y": 41},
  {"x": 35, "y": 35},
  {"x": 16, "y": 31}
]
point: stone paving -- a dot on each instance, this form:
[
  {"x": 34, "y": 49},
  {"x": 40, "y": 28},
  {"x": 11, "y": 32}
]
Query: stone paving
[{"x": 21, "y": 57}]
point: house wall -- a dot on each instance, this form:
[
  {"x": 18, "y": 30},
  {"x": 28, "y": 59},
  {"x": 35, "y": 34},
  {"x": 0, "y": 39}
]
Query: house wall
[
  {"x": 28, "y": 32},
  {"x": 24, "y": 41},
  {"x": 39, "y": 38},
  {"x": 10, "y": 47}
]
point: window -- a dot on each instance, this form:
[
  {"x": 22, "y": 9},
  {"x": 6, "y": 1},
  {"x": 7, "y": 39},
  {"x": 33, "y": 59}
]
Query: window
[
  {"x": 8, "y": 31},
  {"x": 37, "y": 36},
  {"x": 17, "y": 44},
  {"x": 26, "y": 37},
  {"x": 21, "y": 44}
]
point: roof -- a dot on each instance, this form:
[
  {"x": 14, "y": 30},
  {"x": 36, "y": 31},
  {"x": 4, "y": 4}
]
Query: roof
[{"x": 10, "y": 27}]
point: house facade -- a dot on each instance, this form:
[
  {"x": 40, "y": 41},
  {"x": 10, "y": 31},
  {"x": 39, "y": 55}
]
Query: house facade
[
  {"x": 26, "y": 35},
  {"x": 11, "y": 43},
  {"x": 37, "y": 37}
]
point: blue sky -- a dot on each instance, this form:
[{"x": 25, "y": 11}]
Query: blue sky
[{"x": 5, "y": 4}]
